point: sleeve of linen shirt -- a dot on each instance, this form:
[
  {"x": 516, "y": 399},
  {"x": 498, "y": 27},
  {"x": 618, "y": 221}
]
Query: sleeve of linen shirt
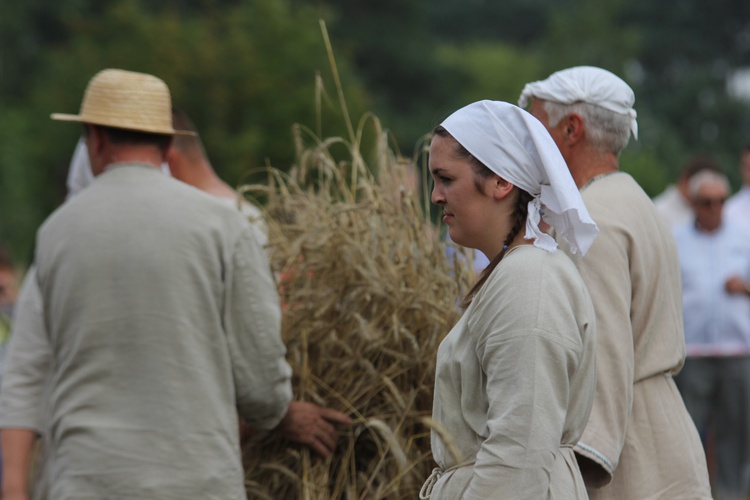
[
  {"x": 606, "y": 272},
  {"x": 22, "y": 398},
  {"x": 253, "y": 327},
  {"x": 527, "y": 390}
]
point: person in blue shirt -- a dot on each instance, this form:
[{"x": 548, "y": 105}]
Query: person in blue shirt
[{"x": 714, "y": 256}]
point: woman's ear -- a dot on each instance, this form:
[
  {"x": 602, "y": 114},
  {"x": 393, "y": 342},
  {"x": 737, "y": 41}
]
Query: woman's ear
[{"x": 500, "y": 187}]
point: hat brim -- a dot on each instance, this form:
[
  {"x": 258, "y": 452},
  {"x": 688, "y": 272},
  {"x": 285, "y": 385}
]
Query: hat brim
[{"x": 63, "y": 117}]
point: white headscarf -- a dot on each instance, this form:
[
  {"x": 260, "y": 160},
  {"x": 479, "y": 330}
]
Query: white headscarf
[
  {"x": 585, "y": 84},
  {"x": 79, "y": 174},
  {"x": 518, "y": 148}
]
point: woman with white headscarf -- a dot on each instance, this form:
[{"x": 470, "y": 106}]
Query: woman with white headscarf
[{"x": 515, "y": 377}]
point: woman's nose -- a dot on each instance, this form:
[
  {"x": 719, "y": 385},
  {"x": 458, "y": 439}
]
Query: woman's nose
[{"x": 437, "y": 197}]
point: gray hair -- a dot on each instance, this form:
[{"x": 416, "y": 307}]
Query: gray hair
[
  {"x": 704, "y": 177},
  {"x": 607, "y": 130}
]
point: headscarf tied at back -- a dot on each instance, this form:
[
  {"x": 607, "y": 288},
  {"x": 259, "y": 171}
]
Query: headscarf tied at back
[
  {"x": 585, "y": 84},
  {"x": 518, "y": 148}
]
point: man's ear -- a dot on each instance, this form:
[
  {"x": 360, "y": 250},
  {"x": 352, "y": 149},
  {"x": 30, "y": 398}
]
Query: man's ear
[
  {"x": 500, "y": 187},
  {"x": 574, "y": 128},
  {"x": 96, "y": 145},
  {"x": 170, "y": 154},
  {"x": 94, "y": 139}
]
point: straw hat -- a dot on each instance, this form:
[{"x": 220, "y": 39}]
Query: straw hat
[{"x": 127, "y": 100}]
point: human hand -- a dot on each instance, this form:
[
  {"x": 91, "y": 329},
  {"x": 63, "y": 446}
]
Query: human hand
[
  {"x": 15, "y": 496},
  {"x": 735, "y": 285},
  {"x": 312, "y": 425}
]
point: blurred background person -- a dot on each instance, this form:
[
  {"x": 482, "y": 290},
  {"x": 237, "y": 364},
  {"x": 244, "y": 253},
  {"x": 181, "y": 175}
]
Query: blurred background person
[
  {"x": 674, "y": 203},
  {"x": 715, "y": 381},
  {"x": 8, "y": 296},
  {"x": 738, "y": 206},
  {"x": 188, "y": 162}
]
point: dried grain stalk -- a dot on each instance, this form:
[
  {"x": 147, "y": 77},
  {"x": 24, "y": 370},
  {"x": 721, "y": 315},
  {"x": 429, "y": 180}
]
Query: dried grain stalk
[{"x": 368, "y": 294}]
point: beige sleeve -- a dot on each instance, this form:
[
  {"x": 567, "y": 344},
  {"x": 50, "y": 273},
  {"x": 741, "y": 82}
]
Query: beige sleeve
[
  {"x": 27, "y": 371},
  {"x": 605, "y": 270},
  {"x": 253, "y": 327}
]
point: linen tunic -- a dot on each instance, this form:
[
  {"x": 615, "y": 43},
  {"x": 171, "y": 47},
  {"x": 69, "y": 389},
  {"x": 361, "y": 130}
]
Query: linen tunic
[
  {"x": 639, "y": 433},
  {"x": 160, "y": 322},
  {"x": 514, "y": 384}
]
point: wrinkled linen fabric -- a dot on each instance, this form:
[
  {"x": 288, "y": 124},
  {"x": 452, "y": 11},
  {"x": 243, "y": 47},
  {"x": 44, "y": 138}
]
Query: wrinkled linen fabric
[
  {"x": 514, "y": 384},
  {"x": 639, "y": 434},
  {"x": 152, "y": 319}
]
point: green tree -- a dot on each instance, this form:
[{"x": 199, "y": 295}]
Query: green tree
[
  {"x": 689, "y": 52},
  {"x": 392, "y": 47},
  {"x": 496, "y": 70},
  {"x": 244, "y": 71}
]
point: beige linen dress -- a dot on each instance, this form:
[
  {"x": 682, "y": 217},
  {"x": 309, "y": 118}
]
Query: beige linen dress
[
  {"x": 639, "y": 433},
  {"x": 514, "y": 384}
]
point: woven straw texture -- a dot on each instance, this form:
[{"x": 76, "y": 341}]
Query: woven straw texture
[
  {"x": 368, "y": 295},
  {"x": 127, "y": 100}
]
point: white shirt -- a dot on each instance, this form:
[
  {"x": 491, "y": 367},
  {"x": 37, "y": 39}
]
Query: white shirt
[
  {"x": 673, "y": 207},
  {"x": 738, "y": 208},
  {"x": 716, "y": 323}
]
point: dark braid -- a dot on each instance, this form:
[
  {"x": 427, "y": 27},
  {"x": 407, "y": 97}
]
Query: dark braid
[
  {"x": 521, "y": 210},
  {"x": 519, "y": 215}
]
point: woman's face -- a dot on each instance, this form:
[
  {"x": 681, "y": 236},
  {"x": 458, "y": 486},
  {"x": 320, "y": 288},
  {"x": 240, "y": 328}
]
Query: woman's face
[{"x": 466, "y": 210}]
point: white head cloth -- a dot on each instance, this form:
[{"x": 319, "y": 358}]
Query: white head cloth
[
  {"x": 518, "y": 148},
  {"x": 79, "y": 174},
  {"x": 585, "y": 84}
]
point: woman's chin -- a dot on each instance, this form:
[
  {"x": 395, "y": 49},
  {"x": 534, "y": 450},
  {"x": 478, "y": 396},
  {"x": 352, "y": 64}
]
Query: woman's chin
[{"x": 458, "y": 239}]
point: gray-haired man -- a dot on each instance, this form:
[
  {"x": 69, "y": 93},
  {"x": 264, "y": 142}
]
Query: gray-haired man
[{"x": 640, "y": 441}]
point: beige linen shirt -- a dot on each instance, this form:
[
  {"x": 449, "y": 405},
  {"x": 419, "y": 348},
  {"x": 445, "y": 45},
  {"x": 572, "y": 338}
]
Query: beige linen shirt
[
  {"x": 160, "y": 321},
  {"x": 639, "y": 433},
  {"x": 514, "y": 384}
]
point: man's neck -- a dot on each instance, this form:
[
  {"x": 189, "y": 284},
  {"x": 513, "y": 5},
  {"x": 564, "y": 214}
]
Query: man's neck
[
  {"x": 144, "y": 156},
  {"x": 585, "y": 167},
  {"x": 703, "y": 229},
  {"x": 203, "y": 177},
  {"x": 219, "y": 188}
]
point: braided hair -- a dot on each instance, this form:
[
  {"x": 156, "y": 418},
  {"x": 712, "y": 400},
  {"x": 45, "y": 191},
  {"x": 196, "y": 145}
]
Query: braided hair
[
  {"x": 481, "y": 172},
  {"x": 519, "y": 221}
]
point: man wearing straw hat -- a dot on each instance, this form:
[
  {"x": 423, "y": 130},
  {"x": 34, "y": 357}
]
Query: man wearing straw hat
[
  {"x": 639, "y": 442},
  {"x": 158, "y": 322}
]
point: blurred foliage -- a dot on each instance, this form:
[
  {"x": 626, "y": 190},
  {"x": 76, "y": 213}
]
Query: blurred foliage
[
  {"x": 244, "y": 71},
  {"x": 247, "y": 70},
  {"x": 495, "y": 70}
]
